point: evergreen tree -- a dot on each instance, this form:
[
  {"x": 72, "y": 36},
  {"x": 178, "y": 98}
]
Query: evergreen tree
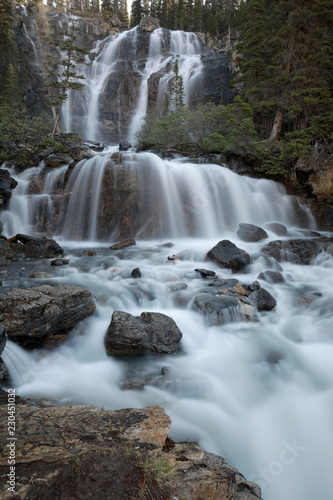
[
  {"x": 64, "y": 73},
  {"x": 123, "y": 12},
  {"x": 107, "y": 9},
  {"x": 136, "y": 13},
  {"x": 177, "y": 87}
]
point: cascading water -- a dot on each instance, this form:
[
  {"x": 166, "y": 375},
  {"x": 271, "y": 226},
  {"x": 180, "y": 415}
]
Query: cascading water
[
  {"x": 258, "y": 393},
  {"x": 117, "y": 81},
  {"x": 115, "y": 195}
]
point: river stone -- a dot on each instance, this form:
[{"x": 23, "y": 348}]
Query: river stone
[
  {"x": 206, "y": 273},
  {"x": 277, "y": 228},
  {"x": 31, "y": 315},
  {"x": 136, "y": 273},
  {"x": 123, "y": 244},
  {"x": 35, "y": 248},
  {"x": 298, "y": 251},
  {"x": 151, "y": 332},
  {"x": 262, "y": 299},
  {"x": 3, "y": 338},
  {"x": 228, "y": 255},
  {"x": 271, "y": 276},
  {"x": 251, "y": 233},
  {"x": 217, "y": 310}
]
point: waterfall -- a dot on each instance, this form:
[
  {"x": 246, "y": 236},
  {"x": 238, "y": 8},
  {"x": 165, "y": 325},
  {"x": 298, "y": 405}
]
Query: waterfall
[
  {"x": 115, "y": 96},
  {"x": 258, "y": 393},
  {"x": 114, "y": 195}
]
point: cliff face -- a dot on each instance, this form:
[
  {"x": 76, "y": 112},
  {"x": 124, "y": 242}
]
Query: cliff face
[{"x": 121, "y": 64}]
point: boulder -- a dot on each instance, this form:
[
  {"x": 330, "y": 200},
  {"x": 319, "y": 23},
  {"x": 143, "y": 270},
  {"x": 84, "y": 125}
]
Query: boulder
[
  {"x": 136, "y": 273},
  {"x": 7, "y": 254},
  {"x": 217, "y": 309},
  {"x": 150, "y": 332},
  {"x": 79, "y": 153},
  {"x": 262, "y": 300},
  {"x": 31, "y": 315},
  {"x": 87, "y": 452},
  {"x": 226, "y": 254},
  {"x": 55, "y": 160},
  {"x": 3, "y": 338},
  {"x": 60, "y": 262},
  {"x": 277, "y": 228},
  {"x": 206, "y": 273},
  {"x": 35, "y": 248},
  {"x": 251, "y": 233},
  {"x": 149, "y": 23},
  {"x": 123, "y": 244},
  {"x": 298, "y": 251},
  {"x": 124, "y": 146},
  {"x": 271, "y": 276},
  {"x": 7, "y": 183}
]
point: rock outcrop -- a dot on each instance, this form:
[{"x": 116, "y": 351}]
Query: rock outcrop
[
  {"x": 7, "y": 184},
  {"x": 151, "y": 332},
  {"x": 3, "y": 338},
  {"x": 31, "y": 316},
  {"x": 84, "y": 451}
]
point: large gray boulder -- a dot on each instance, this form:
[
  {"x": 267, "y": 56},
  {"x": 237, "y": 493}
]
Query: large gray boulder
[
  {"x": 251, "y": 233},
  {"x": 35, "y": 248},
  {"x": 298, "y": 251},
  {"x": 150, "y": 332},
  {"x": 227, "y": 254},
  {"x": 32, "y": 315}
]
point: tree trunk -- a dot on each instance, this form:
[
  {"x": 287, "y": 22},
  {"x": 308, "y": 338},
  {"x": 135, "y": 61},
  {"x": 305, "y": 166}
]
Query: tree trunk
[
  {"x": 56, "y": 121},
  {"x": 276, "y": 129}
]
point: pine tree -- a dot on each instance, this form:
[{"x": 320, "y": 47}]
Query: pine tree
[
  {"x": 136, "y": 13},
  {"x": 107, "y": 9},
  {"x": 64, "y": 73},
  {"x": 177, "y": 87}
]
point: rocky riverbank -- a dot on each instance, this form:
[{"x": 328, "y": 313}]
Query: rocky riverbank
[
  {"x": 74, "y": 451},
  {"x": 64, "y": 452}
]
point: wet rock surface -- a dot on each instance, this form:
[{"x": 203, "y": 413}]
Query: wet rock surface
[
  {"x": 36, "y": 248},
  {"x": 7, "y": 184},
  {"x": 227, "y": 254},
  {"x": 252, "y": 233},
  {"x": 84, "y": 451},
  {"x": 3, "y": 338},
  {"x": 298, "y": 251},
  {"x": 34, "y": 314},
  {"x": 151, "y": 332}
]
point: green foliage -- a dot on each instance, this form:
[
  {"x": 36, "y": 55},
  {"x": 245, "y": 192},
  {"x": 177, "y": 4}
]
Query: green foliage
[
  {"x": 22, "y": 136},
  {"x": 64, "y": 75},
  {"x": 207, "y": 128}
]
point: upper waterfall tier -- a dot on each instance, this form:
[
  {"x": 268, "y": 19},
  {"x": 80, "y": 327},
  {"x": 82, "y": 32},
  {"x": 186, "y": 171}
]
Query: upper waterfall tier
[{"x": 130, "y": 73}]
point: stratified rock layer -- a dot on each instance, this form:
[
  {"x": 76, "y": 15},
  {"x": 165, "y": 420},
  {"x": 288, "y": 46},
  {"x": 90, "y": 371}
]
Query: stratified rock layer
[
  {"x": 31, "y": 315},
  {"x": 150, "y": 332},
  {"x": 86, "y": 452}
]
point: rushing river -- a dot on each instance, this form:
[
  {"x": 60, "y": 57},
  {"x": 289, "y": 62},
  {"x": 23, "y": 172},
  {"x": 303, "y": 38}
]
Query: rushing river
[{"x": 259, "y": 394}]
